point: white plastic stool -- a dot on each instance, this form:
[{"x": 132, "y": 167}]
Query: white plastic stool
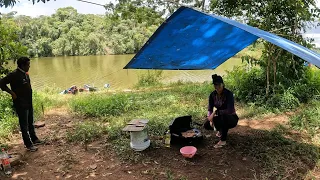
[{"x": 138, "y": 134}]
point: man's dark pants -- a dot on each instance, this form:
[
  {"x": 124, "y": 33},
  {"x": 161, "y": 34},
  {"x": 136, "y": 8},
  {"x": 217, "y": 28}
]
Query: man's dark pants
[{"x": 26, "y": 125}]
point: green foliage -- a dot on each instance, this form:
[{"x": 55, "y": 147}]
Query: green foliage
[
  {"x": 8, "y": 119},
  {"x": 145, "y": 9},
  {"x": 308, "y": 87},
  {"x": 7, "y": 3},
  {"x": 10, "y": 47},
  {"x": 151, "y": 78},
  {"x": 86, "y": 132},
  {"x": 275, "y": 15},
  {"x": 248, "y": 87},
  {"x": 284, "y": 101},
  {"x": 134, "y": 11},
  {"x": 307, "y": 119},
  {"x": 96, "y": 105},
  {"x": 64, "y": 33},
  {"x": 68, "y": 33}
]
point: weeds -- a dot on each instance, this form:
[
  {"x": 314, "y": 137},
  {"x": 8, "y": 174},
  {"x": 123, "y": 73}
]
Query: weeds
[
  {"x": 278, "y": 156},
  {"x": 152, "y": 78},
  {"x": 169, "y": 175},
  {"x": 307, "y": 119},
  {"x": 86, "y": 132},
  {"x": 8, "y": 119},
  {"x": 251, "y": 110},
  {"x": 99, "y": 105}
]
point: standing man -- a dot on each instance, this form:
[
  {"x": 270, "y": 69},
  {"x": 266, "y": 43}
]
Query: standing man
[{"x": 21, "y": 93}]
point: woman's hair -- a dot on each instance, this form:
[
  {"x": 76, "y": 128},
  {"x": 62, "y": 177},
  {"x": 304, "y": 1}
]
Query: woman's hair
[
  {"x": 216, "y": 79},
  {"x": 22, "y": 61}
]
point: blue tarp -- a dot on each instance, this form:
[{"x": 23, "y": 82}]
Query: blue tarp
[{"x": 190, "y": 40}]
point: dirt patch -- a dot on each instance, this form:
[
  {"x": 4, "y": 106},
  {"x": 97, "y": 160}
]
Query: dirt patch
[
  {"x": 58, "y": 159},
  {"x": 267, "y": 123}
]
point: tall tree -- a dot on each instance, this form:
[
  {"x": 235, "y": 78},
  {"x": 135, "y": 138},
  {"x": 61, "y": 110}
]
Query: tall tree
[
  {"x": 287, "y": 18},
  {"x": 7, "y": 3},
  {"x": 10, "y": 47}
]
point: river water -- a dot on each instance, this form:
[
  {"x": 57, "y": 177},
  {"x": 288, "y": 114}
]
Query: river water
[{"x": 63, "y": 72}]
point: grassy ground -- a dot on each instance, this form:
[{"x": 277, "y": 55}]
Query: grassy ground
[
  {"x": 285, "y": 152},
  {"x": 42, "y": 101},
  {"x": 159, "y": 106},
  {"x": 278, "y": 152}
]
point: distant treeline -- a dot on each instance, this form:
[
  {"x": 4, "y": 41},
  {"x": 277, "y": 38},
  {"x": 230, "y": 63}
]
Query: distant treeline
[{"x": 68, "y": 33}]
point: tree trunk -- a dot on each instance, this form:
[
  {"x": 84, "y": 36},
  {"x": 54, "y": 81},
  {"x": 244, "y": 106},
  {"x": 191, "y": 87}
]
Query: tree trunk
[
  {"x": 268, "y": 70},
  {"x": 274, "y": 74},
  {"x": 275, "y": 70}
]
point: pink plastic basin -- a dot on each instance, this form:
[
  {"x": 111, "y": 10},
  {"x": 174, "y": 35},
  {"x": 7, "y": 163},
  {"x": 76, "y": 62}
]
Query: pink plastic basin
[{"x": 188, "y": 151}]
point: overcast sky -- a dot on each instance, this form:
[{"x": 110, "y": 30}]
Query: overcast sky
[{"x": 25, "y": 7}]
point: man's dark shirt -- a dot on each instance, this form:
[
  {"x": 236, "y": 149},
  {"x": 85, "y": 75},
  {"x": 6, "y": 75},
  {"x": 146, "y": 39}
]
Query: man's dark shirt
[{"x": 21, "y": 86}]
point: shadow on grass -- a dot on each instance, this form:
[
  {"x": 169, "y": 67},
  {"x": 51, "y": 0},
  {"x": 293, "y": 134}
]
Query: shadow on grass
[
  {"x": 279, "y": 155},
  {"x": 250, "y": 154}
]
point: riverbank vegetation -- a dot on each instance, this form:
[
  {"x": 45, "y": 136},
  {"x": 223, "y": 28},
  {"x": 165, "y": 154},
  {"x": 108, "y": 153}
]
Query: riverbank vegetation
[{"x": 68, "y": 33}]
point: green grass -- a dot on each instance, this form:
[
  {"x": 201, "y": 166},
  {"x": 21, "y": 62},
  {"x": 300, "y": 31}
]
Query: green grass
[
  {"x": 307, "y": 119},
  {"x": 159, "y": 106},
  {"x": 98, "y": 105},
  {"x": 272, "y": 150},
  {"x": 42, "y": 101},
  {"x": 86, "y": 132},
  {"x": 8, "y": 121},
  {"x": 279, "y": 157},
  {"x": 277, "y": 154},
  {"x": 252, "y": 110}
]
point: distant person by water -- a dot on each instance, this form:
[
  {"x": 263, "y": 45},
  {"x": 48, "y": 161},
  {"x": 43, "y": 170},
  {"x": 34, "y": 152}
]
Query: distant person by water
[{"x": 21, "y": 93}]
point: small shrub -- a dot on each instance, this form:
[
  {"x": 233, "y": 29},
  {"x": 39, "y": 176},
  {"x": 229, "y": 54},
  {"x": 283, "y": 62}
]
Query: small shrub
[
  {"x": 308, "y": 87},
  {"x": 250, "y": 87},
  {"x": 152, "y": 78},
  {"x": 247, "y": 86},
  {"x": 285, "y": 101}
]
